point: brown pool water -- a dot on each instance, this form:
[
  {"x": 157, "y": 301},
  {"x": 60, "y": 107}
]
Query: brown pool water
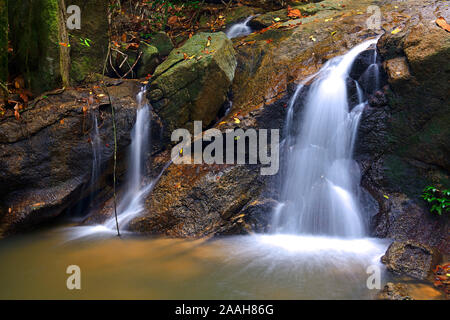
[{"x": 244, "y": 267}]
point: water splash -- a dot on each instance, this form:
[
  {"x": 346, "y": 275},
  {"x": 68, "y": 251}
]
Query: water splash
[
  {"x": 240, "y": 29},
  {"x": 321, "y": 183}
]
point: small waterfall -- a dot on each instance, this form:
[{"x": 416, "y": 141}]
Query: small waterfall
[
  {"x": 97, "y": 145},
  {"x": 370, "y": 79},
  {"x": 240, "y": 29},
  {"x": 321, "y": 179},
  {"x": 131, "y": 204}
]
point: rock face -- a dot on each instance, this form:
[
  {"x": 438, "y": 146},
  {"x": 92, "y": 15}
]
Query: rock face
[
  {"x": 404, "y": 138},
  {"x": 411, "y": 259},
  {"x": 193, "y": 82},
  {"x": 46, "y": 155}
]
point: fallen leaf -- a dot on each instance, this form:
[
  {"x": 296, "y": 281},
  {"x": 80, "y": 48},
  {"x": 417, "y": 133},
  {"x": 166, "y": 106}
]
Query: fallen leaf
[
  {"x": 396, "y": 30},
  {"x": 386, "y": 196},
  {"x": 9, "y": 210},
  {"x": 312, "y": 38},
  {"x": 61, "y": 121},
  {"x": 209, "y": 42},
  {"x": 223, "y": 122},
  {"x": 172, "y": 20},
  {"x": 443, "y": 24},
  {"x": 294, "y": 13},
  {"x": 269, "y": 40},
  {"x": 236, "y": 120},
  {"x": 333, "y": 33},
  {"x": 276, "y": 19},
  {"x": 124, "y": 37},
  {"x": 16, "y": 114}
]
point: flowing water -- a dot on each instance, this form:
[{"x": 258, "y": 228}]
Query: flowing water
[
  {"x": 319, "y": 193},
  {"x": 97, "y": 145},
  {"x": 319, "y": 249},
  {"x": 240, "y": 29}
]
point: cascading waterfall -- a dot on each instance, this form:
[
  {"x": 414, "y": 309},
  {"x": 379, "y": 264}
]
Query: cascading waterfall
[
  {"x": 240, "y": 29},
  {"x": 321, "y": 183},
  {"x": 131, "y": 203}
]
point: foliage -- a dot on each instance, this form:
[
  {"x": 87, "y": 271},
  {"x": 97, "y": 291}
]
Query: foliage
[{"x": 439, "y": 200}]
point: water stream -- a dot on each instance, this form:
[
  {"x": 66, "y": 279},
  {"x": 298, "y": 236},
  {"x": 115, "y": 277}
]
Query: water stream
[{"x": 240, "y": 29}]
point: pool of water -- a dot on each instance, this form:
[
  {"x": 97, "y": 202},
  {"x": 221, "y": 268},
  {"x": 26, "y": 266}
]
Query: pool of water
[{"x": 241, "y": 267}]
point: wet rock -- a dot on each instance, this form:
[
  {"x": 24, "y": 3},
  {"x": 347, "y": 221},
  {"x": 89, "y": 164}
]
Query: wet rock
[
  {"x": 46, "y": 156},
  {"x": 411, "y": 258},
  {"x": 397, "y": 70},
  {"x": 378, "y": 99},
  {"x": 194, "y": 81},
  {"x": 198, "y": 201},
  {"x": 394, "y": 291}
]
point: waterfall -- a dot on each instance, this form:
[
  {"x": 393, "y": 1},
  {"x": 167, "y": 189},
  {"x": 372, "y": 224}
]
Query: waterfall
[
  {"x": 96, "y": 143},
  {"x": 240, "y": 29},
  {"x": 131, "y": 204},
  {"x": 321, "y": 179}
]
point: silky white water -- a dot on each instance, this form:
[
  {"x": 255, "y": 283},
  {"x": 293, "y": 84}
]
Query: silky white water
[
  {"x": 321, "y": 180},
  {"x": 240, "y": 29},
  {"x": 131, "y": 204}
]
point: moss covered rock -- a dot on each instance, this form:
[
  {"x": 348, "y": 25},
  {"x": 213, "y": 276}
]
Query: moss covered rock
[
  {"x": 192, "y": 83},
  {"x": 149, "y": 59},
  {"x": 162, "y": 42},
  {"x": 89, "y": 44}
]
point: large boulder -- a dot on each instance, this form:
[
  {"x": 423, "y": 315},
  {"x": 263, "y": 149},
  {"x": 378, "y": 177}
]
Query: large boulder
[
  {"x": 192, "y": 83},
  {"x": 46, "y": 157},
  {"x": 410, "y": 258}
]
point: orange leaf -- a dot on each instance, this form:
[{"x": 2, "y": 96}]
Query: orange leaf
[
  {"x": 172, "y": 20},
  {"x": 17, "y": 114},
  {"x": 269, "y": 40},
  {"x": 124, "y": 37},
  {"x": 443, "y": 24},
  {"x": 294, "y": 13}
]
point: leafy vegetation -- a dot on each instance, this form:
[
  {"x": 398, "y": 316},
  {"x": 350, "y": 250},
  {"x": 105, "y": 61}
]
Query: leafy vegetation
[{"x": 439, "y": 200}]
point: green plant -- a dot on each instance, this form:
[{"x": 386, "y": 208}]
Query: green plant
[{"x": 439, "y": 200}]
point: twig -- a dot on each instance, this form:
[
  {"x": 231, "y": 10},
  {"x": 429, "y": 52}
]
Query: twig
[
  {"x": 134, "y": 64},
  {"x": 114, "y": 129}
]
